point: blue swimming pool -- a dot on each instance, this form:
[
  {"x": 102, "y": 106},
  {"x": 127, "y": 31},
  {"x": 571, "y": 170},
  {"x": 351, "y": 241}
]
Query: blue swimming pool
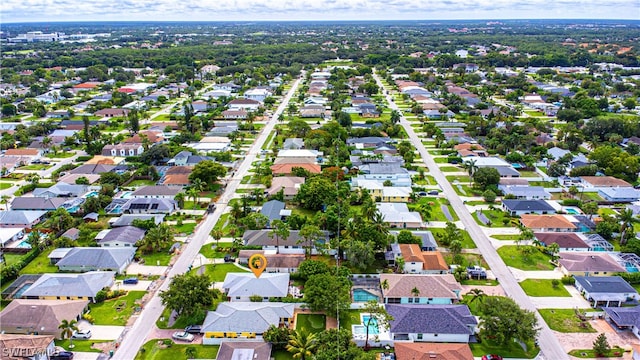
[
  {"x": 361, "y": 295},
  {"x": 572, "y": 211},
  {"x": 362, "y": 329},
  {"x": 21, "y": 291},
  {"x": 24, "y": 244},
  {"x": 517, "y": 166},
  {"x": 91, "y": 194}
]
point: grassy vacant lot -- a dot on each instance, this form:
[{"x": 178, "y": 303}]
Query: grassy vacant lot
[
  {"x": 450, "y": 169},
  {"x": 590, "y": 354},
  {"x": 217, "y": 272},
  {"x": 311, "y": 322},
  {"x": 80, "y": 345},
  {"x": 512, "y": 256},
  {"x": 157, "y": 350},
  {"x": 161, "y": 258},
  {"x": 543, "y": 287},
  {"x": 510, "y": 350},
  {"x": 436, "y": 208},
  {"x": 115, "y": 311},
  {"x": 506, "y": 237},
  {"x": 497, "y": 218},
  {"x": 467, "y": 242},
  {"x": 565, "y": 320}
]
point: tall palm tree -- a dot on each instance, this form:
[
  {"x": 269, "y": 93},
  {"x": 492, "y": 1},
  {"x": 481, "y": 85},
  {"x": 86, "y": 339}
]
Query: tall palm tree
[
  {"x": 217, "y": 235},
  {"x": 415, "y": 291},
  {"x": 68, "y": 327},
  {"x": 368, "y": 208},
  {"x": 193, "y": 193},
  {"x": 626, "y": 219},
  {"x": 379, "y": 224},
  {"x": 302, "y": 344},
  {"x": 179, "y": 198},
  {"x": 384, "y": 284},
  {"x": 476, "y": 295},
  {"x": 5, "y": 201},
  {"x": 471, "y": 167}
]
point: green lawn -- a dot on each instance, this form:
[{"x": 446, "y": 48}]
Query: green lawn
[
  {"x": 510, "y": 350},
  {"x": 524, "y": 173},
  {"x": 40, "y": 264},
  {"x": 217, "y": 272},
  {"x": 467, "y": 242},
  {"x": 10, "y": 259},
  {"x": 115, "y": 311},
  {"x": 311, "y": 322},
  {"x": 142, "y": 182},
  {"x": 506, "y": 237},
  {"x": 185, "y": 228},
  {"x": 282, "y": 355},
  {"x": 450, "y": 169},
  {"x": 497, "y": 218},
  {"x": 5, "y": 185},
  {"x": 590, "y": 354},
  {"x": 157, "y": 350},
  {"x": 161, "y": 258},
  {"x": 349, "y": 318},
  {"x": 543, "y": 287},
  {"x": 512, "y": 256},
  {"x": 60, "y": 155},
  {"x": 80, "y": 345},
  {"x": 221, "y": 250},
  {"x": 436, "y": 211},
  {"x": 565, "y": 320},
  {"x": 34, "y": 167},
  {"x": 479, "y": 282},
  {"x": 462, "y": 179}
]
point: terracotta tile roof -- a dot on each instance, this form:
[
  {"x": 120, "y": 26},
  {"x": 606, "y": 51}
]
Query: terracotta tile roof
[
  {"x": 589, "y": 262},
  {"x": 431, "y": 260},
  {"x": 287, "y": 168},
  {"x": 546, "y": 222},
  {"x": 432, "y": 286},
  {"x": 411, "y": 253},
  {"x": 432, "y": 351},
  {"x": 179, "y": 170},
  {"x": 21, "y": 152},
  {"x": 176, "y": 179},
  {"x": 605, "y": 181},
  {"x": 34, "y": 344}
]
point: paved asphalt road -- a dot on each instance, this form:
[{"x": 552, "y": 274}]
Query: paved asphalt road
[
  {"x": 549, "y": 344},
  {"x": 137, "y": 334}
]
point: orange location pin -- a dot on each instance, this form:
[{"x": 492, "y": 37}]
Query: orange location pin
[{"x": 257, "y": 264}]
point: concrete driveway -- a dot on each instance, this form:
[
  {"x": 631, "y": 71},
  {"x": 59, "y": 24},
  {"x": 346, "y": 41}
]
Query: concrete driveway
[
  {"x": 142, "y": 285},
  {"x": 624, "y": 339},
  {"x": 101, "y": 332},
  {"x": 86, "y": 355}
]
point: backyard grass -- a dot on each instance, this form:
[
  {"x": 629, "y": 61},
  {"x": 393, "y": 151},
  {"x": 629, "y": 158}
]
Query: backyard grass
[
  {"x": 217, "y": 272},
  {"x": 467, "y": 242},
  {"x": 34, "y": 167},
  {"x": 349, "y": 318},
  {"x": 509, "y": 350},
  {"x": 565, "y": 320},
  {"x": 40, "y": 264},
  {"x": 282, "y": 355},
  {"x": 436, "y": 208},
  {"x": 543, "y": 287},
  {"x": 512, "y": 256},
  {"x": 589, "y": 353},
  {"x": 462, "y": 179},
  {"x": 11, "y": 259},
  {"x": 497, "y": 218},
  {"x": 607, "y": 212},
  {"x": 80, "y": 345},
  {"x": 313, "y": 323},
  {"x": 157, "y": 350},
  {"x": 160, "y": 258},
  {"x": 526, "y": 174},
  {"x": 142, "y": 182},
  {"x": 506, "y": 237},
  {"x": 185, "y": 228},
  {"x": 115, "y": 311}
]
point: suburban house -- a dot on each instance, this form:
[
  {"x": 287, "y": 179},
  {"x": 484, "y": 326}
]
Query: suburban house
[
  {"x": 23, "y": 316},
  {"x": 446, "y": 323},
  {"x": 525, "y": 192},
  {"x": 600, "y": 182},
  {"x": 241, "y": 287},
  {"x": 609, "y": 291},
  {"x": 31, "y": 154},
  {"x": 432, "y": 351},
  {"x": 9, "y": 235},
  {"x": 293, "y": 244},
  {"x": 378, "y": 191},
  {"x": 521, "y": 207},
  {"x": 547, "y": 223},
  {"x": 236, "y": 350},
  {"x": 20, "y": 218},
  {"x": 112, "y": 112},
  {"x": 123, "y": 149},
  {"x": 287, "y": 168},
  {"x": 235, "y": 114},
  {"x": 274, "y": 210},
  {"x": 258, "y": 94},
  {"x": 398, "y": 215},
  {"x": 276, "y": 263},
  {"x": 419, "y": 289},
  {"x": 61, "y": 189},
  {"x": 82, "y": 286},
  {"x": 36, "y": 203},
  {"x": 504, "y": 168},
  {"x": 244, "y": 104},
  {"x": 155, "y": 192},
  {"x": 93, "y": 169},
  {"x": 37, "y": 347},
  {"x": 394, "y": 172},
  {"x": 83, "y": 259},
  {"x": 149, "y": 206},
  {"x": 624, "y": 318},
  {"x": 428, "y": 242},
  {"x": 619, "y": 195},
  {"x": 417, "y": 261},
  {"x": 588, "y": 264},
  {"x": 368, "y": 142},
  {"x": 566, "y": 241},
  {"x": 288, "y": 184},
  {"x": 244, "y": 320},
  {"x": 124, "y": 236}
]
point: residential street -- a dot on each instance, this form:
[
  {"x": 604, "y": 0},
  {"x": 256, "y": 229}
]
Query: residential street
[
  {"x": 549, "y": 344},
  {"x": 139, "y": 333}
]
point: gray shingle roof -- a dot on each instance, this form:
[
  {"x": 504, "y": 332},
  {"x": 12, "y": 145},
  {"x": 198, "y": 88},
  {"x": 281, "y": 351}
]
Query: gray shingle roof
[
  {"x": 127, "y": 219},
  {"x": 604, "y": 284},
  {"x": 124, "y": 234},
  {"x": 98, "y": 257},
  {"x": 157, "y": 190},
  {"x": 20, "y": 217},
  {"x": 87, "y": 284},
  {"x": 431, "y": 319},
  {"x": 246, "y": 316},
  {"x": 61, "y": 189},
  {"x": 527, "y": 205},
  {"x": 246, "y": 284},
  {"x": 262, "y": 238},
  {"x": 36, "y": 203},
  {"x": 271, "y": 209},
  {"x": 624, "y": 316}
]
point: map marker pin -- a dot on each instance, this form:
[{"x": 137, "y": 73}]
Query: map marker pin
[{"x": 257, "y": 264}]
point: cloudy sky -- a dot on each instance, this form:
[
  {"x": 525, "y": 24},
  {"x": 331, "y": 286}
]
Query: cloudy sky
[{"x": 249, "y": 10}]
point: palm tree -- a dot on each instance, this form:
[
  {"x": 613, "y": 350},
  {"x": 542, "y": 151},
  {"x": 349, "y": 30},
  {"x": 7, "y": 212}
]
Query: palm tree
[
  {"x": 46, "y": 142},
  {"x": 415, "y": 291},
  {"x": 216, "y": 234},
  {"x": 379, "y": 224},
  {"x": 626, "y": 219},
  {"x": 476, "y": 294},
  {"x": 384, "y": 284},
  {"x": 302, "y": 344},
  {"x": 193, "y": 193},
  {"x": 280, "y": 229},
  {"x": 198, "y": 184},
  {"x": 455, "y": 248},
  {"x": 68, "y": 327},
  {"x": 471, "y": 167},
  {"x": 179, "y": 198},
  {"x": 525, "y": 234},
  {"x": 5, "y": 201},
  {"x": 368, "y": 208}
]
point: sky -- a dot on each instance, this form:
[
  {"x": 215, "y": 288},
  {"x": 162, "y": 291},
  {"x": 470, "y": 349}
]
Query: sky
[{"x": 253, "y": 10}]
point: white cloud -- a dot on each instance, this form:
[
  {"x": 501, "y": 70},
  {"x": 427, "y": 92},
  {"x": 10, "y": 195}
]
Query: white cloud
[{"x": 159, "y": 10}]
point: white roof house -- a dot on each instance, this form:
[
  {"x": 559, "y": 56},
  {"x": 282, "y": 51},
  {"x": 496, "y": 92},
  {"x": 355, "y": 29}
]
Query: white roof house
[
  {"x": 398, "y": 215},
  {"x": 241, "y": 286}
]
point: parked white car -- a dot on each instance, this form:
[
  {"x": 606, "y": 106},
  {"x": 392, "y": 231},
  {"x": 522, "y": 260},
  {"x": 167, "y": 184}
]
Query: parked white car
[
  {"x": 81, "y": 334},
  {"x": 182, "y": 336}
]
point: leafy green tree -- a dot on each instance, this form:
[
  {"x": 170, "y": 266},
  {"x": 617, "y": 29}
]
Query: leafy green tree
[
  {"x": 188, "y": 293},
  {"x": 327, "y": 292},
  {"x": 279, "y": 230},
  {"x": 9, "y": 110},
  {"x": 68, "y": 327},
  {"x": 309, "y": 268},
  {"x": 316, "y": 193},
  {"x": 59, "y": 220},
  {"x": 338, "y": 344},
  {"x": 277, "y": 336},
  {"x": 503, "y": 320},
  {"x": 208, "y": 172},
  {"x": 156, "y": 239},
  {"x": 406, "y": 237},
  {"x": 111, "y": 178},
  {"x": 309, "y": 235},
  {"x": 601, "y": 345},
  {"x": 255, "y": 221},
  {"x": 485, "y": 177},
  {"x": 451, "y": 233},
  {"x": 361, "y": 254},
  {"x": 489, "y": 196}
]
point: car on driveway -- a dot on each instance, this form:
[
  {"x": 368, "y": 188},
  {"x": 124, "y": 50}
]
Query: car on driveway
[
  {"x": 182, "y": 336},
  {"x": 130, "y": 281},
  {"x": 61, "y": 355},
  {"x": 81, "y": 334},
  {"x": 193, "y": 329}
]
